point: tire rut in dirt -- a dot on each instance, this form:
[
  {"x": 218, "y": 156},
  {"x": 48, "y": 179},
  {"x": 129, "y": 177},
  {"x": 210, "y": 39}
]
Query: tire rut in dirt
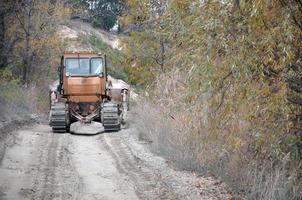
[
  {"x": 148, "y": 183},
  {"x": 56, "y": 177},
  {"x": 6, "y": 129}
]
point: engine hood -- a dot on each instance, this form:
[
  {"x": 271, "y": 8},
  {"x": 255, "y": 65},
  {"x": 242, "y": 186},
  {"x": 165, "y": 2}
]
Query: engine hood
[{"x": 84, "y": 89}]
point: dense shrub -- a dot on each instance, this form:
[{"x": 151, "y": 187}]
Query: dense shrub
[{"x": 185, "y": 136}]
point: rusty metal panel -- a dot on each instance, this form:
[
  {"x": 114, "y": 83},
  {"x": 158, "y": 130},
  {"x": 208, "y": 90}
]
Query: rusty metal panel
[{"x": 84, "y": 88}]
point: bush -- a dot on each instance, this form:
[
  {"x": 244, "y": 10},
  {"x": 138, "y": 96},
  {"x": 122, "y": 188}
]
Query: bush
[
  {"x": 17, "y": 100},
  {"x": 21, "y": 100},
  {"x": 185, "y": 135},
  {"x": 106, "y": 22}
]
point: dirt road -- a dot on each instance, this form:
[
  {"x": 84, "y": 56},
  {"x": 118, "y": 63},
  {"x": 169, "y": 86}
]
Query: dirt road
[{"x": 38, "y": 165}]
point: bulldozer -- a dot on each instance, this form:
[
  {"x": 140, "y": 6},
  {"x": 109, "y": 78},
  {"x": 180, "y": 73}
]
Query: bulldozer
[{"x": 84, "y": 94}]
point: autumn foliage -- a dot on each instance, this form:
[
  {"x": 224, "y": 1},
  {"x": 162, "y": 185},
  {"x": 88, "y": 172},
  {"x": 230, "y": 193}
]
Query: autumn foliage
[
  {"x": 29, "y": 49},
  {"x": 229, "y": 73}
]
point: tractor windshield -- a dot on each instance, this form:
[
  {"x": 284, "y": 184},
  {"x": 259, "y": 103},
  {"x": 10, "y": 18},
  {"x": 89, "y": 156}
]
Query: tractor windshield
[{"x": 84, "y": 66}]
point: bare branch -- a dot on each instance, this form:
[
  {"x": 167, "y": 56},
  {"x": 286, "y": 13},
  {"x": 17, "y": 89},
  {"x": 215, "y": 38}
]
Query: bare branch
[{"x": 21, "y": 23}]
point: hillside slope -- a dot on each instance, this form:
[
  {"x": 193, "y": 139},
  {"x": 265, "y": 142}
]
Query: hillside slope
[{"x": 71, "y": 33}]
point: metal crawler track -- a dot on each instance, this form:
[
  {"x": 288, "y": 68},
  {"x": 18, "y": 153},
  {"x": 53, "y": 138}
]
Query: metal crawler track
[
  {"x": 58, "y": 118},
  {"x": 110, "y": 117}
]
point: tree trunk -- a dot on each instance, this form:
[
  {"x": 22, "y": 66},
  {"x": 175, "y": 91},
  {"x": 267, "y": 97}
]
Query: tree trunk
[
  {"x": 162, "y": 55},
  {"x": 3, "y": 58},
  {"x": 27, "y": 55}
]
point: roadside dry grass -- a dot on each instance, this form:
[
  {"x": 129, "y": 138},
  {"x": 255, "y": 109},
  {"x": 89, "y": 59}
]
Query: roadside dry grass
[
  {"x": 182, "y": 135},
  {"x": 249, "y": 178},
  {"x": 17, "y": 101}
]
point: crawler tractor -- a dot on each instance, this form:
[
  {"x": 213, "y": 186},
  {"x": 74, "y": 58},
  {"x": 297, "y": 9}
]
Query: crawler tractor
[{"x": 85, "y": 94}]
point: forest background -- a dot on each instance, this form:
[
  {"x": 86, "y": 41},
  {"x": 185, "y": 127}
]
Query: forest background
[{"x": 222, "y": 80}]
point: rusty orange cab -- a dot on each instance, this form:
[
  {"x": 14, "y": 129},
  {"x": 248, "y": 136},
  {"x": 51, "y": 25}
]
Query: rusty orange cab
[{"x": 82, "y": 95}]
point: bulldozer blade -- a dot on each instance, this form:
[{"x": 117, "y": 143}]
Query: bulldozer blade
[{"x": 81, "y": 128}]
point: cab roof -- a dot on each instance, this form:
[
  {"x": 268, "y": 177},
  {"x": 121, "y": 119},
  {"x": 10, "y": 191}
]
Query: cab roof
[{"x": 82, "y": 54}]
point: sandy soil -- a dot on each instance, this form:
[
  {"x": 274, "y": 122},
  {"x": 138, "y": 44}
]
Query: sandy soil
[
  {"x": 41, "y": 165},
  {"x": 76, "y": 27}
]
